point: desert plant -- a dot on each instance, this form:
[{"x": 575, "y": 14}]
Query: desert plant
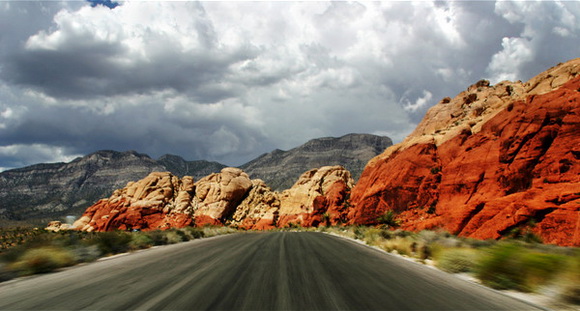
[
  {"x": 457, "y": 260},
  {"x": 42, "y": 260},
  {"x": 140, "y": 240},
  {"x": 389, "y": 219},
  {"x": 113, "y": 242},
  {"x": 512, "y": 266},
  {"x": 570, "y": 281},
  {"x": 193, "y": 233},
  {"x": 399, "y": 245}
]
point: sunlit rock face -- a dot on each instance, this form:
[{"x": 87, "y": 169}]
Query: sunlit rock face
[
  {"x": 158, "y": 201},
  {"x": 318, "y": 196},
  {"x": 162, "y": 201},
  {"x": 491, "y": 161},
  {"x": 218, "y": 195}
]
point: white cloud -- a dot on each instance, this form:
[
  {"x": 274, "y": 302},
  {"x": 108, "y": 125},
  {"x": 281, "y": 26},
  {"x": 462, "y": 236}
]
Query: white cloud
[
  {"x": 419, "y": 102},
  {"x": 227, "y": 81},
  {"x": 506, "y": 64}
]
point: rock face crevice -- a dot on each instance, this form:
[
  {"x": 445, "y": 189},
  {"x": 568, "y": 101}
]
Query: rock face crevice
[{"x": 487, "y": 163}]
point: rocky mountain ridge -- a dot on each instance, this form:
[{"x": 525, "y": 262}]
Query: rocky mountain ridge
[
  {"x": 48, "y": 191},
  {"x": 42, "y": 192},
  {"x": 280, "y": 169}
]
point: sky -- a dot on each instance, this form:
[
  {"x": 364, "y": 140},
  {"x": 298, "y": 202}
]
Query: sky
[{"x": 228, "y": 81}]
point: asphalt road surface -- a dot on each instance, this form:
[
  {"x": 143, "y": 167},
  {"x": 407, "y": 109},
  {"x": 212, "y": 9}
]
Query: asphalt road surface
[{"x": 253, "y": 271}]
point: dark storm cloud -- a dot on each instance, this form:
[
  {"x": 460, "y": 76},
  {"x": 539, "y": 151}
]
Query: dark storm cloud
[{"x": 227, "y": 81}]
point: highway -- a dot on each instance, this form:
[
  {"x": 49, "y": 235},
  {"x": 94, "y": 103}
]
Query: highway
[{"x": 253, "y": 271}]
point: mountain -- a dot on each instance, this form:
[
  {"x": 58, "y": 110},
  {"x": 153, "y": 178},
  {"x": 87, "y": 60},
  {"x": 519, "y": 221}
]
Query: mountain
[
  {"x": 42, "y": 192},
  {"x": 280, "y": 169},
  {"x": 495, "y": 161},
  {"x": 180, "y": 167}
]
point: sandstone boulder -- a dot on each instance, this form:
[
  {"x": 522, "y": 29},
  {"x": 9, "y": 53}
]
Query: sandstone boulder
[
  {"x": 217, "y": 195},
  {"x": 307, "y": 202},
  {"x": 259, "y": 210},
  {"x": 159, "y": 201},
  {"x": 56, "y": 226}
]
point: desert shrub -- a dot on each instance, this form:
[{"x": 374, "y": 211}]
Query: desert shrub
[
  {"x": 570, "y": 281},
  {"x": 193, "y": 233},
  {"x": 457, "y": 260},
  {"x": 6, "y": 273},
  {"x": 402, "y": 246},
  {"x": 389, "y": 218},
  {"x": 158, "y": 237},
  {"x": 372, "y": 235},
  {"x": 209, "y": 231},
  {"x": 512, "y": 266},
  {"x": 86, "y": 253},
  {"x": 113, "y": 242},
  {"x": 42, "y": 260},
  {"x": 140, "y": 240},
  {"x": 175, "y": 236},
  {"x": 359, "y": 232}
]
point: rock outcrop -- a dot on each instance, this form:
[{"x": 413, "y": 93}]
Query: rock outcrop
[
  {"x": 217, "y": 195},
  {"x": 162, "y": 201},
  {"x": 259, "y": 210},
  {"x": 159, "y": 201},
  {"x": 491, "y": 162},
  {"x": 280, "y": 169},
  {"x": 319, "y": 196}
]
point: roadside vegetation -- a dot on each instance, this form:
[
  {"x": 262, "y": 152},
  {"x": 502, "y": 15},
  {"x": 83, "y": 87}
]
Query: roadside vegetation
[
  {"x": 520, "y": 264},
  {"x": 26, "y": 251}
]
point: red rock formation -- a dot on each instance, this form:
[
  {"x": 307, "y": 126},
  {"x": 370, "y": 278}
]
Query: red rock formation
[
  {"x": 488, "y": 173},
  {"x": 318, "y": 197},
  {"x": 159, "y": 201}
]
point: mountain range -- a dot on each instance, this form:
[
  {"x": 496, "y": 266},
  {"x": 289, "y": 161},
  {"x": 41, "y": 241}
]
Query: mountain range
[{"x": 43, "y": 192}]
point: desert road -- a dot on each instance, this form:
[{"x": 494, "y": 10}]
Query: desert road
[{"x": 253, "y": 271}]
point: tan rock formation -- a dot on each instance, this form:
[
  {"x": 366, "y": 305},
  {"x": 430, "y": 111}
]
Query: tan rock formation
[
  {"x": 56, "y": 226},
  {"x": 217, "y": 195},
  {"x": 297, "y": 203},
  {"x": 158, "y": 201},
  {"x": 259, "y": 210}
]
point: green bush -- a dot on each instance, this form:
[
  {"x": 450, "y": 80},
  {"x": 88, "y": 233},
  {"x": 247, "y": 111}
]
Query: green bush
[
  {"x": 175, "y": 236},
  {"x": 193, "y": 233},
  {"x": 44, "y": 259},
  {"x": 570, "y": 282},
  {"x": 512, "y": 266},
  {"x": 86, "y": 253},
  {"x": 113, "y": 242},
  {"x": 140, "y": 240},
  {"x": 389, "y": 219},
  {"x": 158, "y": 237},
  {"x": 457, "y": 260}
]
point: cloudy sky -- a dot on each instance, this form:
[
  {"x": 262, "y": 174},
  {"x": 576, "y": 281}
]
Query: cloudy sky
[{"x": 227, "y": 81}]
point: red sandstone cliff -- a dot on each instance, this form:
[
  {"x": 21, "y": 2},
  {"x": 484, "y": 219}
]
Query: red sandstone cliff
[{"x": 490, "y": 161}]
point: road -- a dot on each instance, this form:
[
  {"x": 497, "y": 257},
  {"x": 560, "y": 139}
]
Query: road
[{"x": 253, "y": 271}]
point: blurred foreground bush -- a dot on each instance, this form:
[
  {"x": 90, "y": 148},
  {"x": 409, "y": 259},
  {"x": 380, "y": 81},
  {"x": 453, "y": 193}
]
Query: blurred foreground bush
[
  {"x": 512, "y": 266},
  {"x": 42, "y": 260},
  {"x": 40, "y": 251}
]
